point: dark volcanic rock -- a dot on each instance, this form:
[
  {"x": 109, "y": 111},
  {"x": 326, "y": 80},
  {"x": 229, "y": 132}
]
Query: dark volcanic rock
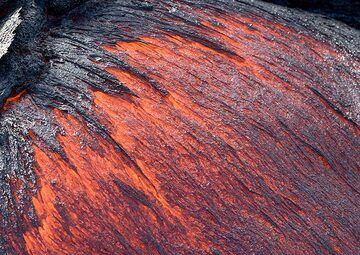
[{"x": 347, "y": 11}]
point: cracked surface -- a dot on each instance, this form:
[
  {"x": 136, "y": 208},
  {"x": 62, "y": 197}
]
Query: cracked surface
[
  {"x": 7, "y": 32},
  {"x": 181, "y": 127}
]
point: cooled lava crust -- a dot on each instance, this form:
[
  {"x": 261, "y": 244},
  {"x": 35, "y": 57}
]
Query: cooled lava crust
[{"x": 178, "y": 127}]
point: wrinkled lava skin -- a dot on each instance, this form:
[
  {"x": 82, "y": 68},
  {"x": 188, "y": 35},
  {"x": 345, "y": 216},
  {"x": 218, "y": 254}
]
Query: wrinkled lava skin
[{"x": 232, "y": 138}]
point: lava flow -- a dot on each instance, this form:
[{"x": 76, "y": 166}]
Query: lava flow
[{"x": 196, "y": 130}]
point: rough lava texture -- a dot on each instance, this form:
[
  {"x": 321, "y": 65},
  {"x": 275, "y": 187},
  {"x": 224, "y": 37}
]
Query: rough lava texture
[
  {"x": 7, "y": 32},
  {"x": 347, "y": 11},
  {"x": 179, "y": 127}
]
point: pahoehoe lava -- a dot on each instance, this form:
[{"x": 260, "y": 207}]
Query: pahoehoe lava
[{"x": 178, "y": 127}]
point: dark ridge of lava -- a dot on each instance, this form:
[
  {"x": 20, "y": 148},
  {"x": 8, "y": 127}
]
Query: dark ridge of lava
[{"x": 347, "y": 11}]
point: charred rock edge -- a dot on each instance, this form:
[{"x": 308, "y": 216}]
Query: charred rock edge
[{"x": 345, "y": 10}]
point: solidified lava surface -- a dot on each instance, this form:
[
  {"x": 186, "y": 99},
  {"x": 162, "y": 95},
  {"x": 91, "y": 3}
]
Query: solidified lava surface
[{"x": 178, "y": 127}]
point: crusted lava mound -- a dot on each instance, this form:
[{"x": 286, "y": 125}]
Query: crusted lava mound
[{"x": 178, "y": 127}]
